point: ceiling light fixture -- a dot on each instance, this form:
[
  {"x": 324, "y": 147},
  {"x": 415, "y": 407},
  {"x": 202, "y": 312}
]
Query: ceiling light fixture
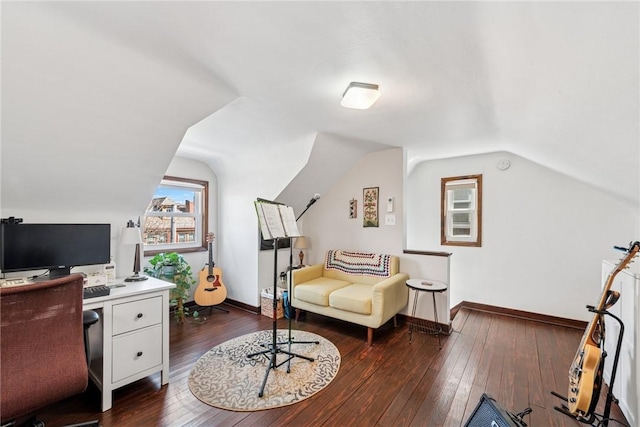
[{"x": 360, "y": 95}]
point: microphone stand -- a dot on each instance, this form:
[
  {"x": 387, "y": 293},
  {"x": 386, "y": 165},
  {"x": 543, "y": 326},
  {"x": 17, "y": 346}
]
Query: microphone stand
[{"x": 307, "y": 208}]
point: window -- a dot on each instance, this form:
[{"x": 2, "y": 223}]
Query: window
[
  {"x": 175, "y": 219},
  {"x": 461, "y": 211}
]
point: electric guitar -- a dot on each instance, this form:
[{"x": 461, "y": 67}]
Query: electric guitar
[
  {"x": 585, "y": 374},
  {"x": 210, "y": 290}
]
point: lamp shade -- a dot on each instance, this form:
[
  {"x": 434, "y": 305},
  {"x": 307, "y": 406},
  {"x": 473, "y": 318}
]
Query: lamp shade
[
  {"x": 301, "y": 243},
  {"x": 130, "y": 236}
]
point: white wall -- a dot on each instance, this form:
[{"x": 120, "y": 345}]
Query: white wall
[
  {"x": 327, "y": 223},
  {"x": 258, "y": 160},
  {"x": 544, "y": 234},
  {"x": 328, "y": 226},
  {"x": 271, "y": 159}
]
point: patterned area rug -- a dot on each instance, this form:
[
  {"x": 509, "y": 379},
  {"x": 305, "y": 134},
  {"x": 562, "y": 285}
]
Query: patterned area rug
[{"x": 226, "y": 378}]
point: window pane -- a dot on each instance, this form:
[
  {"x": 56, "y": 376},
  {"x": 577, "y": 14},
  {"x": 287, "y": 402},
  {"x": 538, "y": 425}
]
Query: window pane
[
  {"x": 460, "y": 232},
  {"x": 170, "y": 199},
  {"x": 461, "y": 218},
  {"x": 174, "y": 216},
  {"x": 461, "y": 205},
  {"x": 169, "y": 229},
  {"x": 462, "y": 194}
]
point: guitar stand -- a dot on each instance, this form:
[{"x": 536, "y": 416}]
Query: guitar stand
[
  {"x": 273, "y": 347},
  {"x": 211, "y": 307},
  {"x": 595, "y": 419}
]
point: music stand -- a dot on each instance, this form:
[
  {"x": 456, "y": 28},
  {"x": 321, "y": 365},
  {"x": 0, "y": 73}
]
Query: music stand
[{"x": 276, "y": 222}]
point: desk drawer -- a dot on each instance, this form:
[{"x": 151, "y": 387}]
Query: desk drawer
[
  {"x": 136, "y": 351},
  {"x": 138, "y": 314}
]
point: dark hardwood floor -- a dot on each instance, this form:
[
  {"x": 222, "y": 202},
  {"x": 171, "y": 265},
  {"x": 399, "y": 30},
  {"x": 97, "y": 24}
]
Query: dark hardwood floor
[{"x": 392, "y": 383}]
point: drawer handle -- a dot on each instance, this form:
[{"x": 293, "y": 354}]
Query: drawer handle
[
  {"x": 139, "y": 354},
  {"x": 139, "y": 315}
]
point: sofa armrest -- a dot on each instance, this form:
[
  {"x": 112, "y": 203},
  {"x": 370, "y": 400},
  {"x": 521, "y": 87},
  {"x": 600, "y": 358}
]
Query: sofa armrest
[
  {"x": 390, "y": 295},
  {"x": 305, "y": 274}
]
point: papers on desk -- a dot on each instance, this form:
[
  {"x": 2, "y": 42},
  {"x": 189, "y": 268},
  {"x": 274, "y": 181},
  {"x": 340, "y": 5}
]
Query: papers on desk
[
  {"x": 19, "y": 281},
  {"x": 276, "y": 221}
]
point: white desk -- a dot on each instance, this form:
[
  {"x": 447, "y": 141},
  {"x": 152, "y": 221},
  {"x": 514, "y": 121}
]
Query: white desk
[{"x": 131, "y": 340}]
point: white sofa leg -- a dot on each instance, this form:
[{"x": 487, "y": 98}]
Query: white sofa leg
[{"x": 369, "y": 336}]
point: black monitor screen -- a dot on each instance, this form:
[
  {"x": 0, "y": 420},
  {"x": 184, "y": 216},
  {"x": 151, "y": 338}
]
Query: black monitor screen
[{"x": 57, "y": 247}]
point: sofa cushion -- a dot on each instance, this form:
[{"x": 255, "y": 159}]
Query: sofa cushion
[
  {"x": 355, "y": 298},
  {"x": 317, "y": 291}
]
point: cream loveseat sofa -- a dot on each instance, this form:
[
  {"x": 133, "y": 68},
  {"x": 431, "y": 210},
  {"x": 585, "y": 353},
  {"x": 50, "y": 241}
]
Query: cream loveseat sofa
[{"x": 362, "y": 288}]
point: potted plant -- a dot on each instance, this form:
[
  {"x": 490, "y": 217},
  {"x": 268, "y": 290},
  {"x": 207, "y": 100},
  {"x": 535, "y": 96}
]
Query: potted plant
[{"x": 173, "y": 267}]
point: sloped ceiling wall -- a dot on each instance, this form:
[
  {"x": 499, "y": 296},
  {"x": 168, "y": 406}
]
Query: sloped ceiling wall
[
  {"x": 330, "y": 158},
  {"x": 87, "y": 124},
  {"x": 564, "y": 78},
  {"x": 92, "y": 86}
]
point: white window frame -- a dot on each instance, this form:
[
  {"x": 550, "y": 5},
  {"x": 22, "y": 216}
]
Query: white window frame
[
  {"x": 201, "y": 190},
  {"x": 474, "y": 210}
]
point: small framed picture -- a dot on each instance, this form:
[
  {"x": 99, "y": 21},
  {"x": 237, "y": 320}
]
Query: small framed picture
[
  {"x": 353, "y": 208},
  {"x": 370, "y": 207}
]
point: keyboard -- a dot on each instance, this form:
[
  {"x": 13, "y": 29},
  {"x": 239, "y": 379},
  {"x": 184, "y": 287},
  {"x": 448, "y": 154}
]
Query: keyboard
[{"x": 96, "y": 291}]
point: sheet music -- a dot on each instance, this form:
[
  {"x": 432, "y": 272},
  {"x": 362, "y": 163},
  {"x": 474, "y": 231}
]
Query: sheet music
[
  {"x": 289, "y": 221},
  {"x": 276, "y": 221},
  {"x": 270, "y": 222},
  {"x": 266, "y": 234}
]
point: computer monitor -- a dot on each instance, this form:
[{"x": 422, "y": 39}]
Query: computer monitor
[{"x": 56, "y": 247}]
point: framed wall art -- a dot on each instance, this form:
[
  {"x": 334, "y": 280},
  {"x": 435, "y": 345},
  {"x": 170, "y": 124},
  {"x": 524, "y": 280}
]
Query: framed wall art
[
  {"x": 353, "y": 208},
  {"x": 370, "y": 207}
]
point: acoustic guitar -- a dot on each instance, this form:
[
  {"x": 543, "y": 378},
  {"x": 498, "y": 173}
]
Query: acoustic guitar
[
  {"x": 585, "y": 374},
  {"x": 210, "y": 290}
]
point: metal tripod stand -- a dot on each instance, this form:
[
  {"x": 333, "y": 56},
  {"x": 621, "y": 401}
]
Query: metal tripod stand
[{"x": 273, "y": 348}]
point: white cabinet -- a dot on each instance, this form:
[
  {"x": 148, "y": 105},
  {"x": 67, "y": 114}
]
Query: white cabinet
[
  {"x": 137, "y": 314},
  {"x": 131, "y": 340},
  {"x": 136, "y": 352},
  {"x": 625, "y": 386}
]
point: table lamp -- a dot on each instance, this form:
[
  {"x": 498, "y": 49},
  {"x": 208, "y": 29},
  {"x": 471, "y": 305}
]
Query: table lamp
[
  {"x": 301, "y": 243},
  {"x": 131, "y": 236}
]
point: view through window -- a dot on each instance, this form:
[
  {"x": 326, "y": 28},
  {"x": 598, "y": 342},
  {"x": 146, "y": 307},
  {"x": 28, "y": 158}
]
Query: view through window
[{"x": 175, "y": 217}]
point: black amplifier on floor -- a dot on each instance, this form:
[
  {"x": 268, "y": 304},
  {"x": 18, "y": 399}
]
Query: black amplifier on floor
[{"x": 489, "y": 414}]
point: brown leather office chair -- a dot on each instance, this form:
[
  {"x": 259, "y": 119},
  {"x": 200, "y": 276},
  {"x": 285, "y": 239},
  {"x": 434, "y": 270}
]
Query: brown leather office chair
[{"x": 42, "y": 352}]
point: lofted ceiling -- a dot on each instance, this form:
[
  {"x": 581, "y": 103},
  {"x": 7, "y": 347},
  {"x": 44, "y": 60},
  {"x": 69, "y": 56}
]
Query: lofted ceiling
[{"x": 555, "y": 82}]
